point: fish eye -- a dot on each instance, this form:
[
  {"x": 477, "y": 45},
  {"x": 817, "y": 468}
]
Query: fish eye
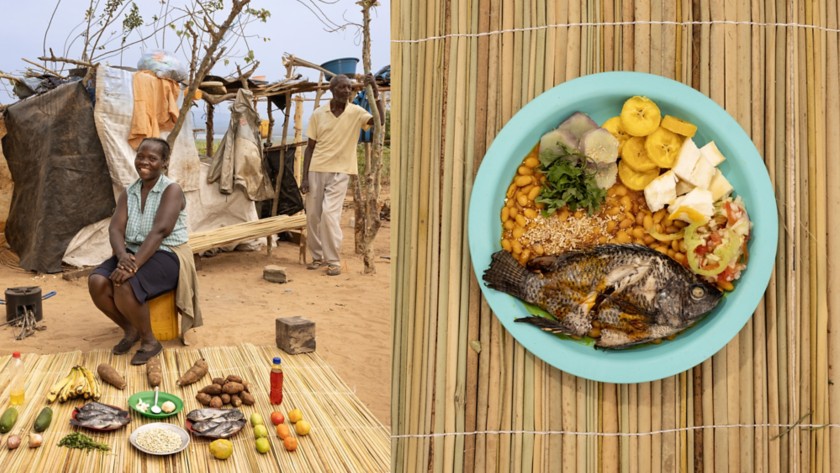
[{"x": 697, "y": 292}]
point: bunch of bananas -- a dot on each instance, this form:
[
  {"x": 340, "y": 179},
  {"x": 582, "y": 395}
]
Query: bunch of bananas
[{"x": 79, "y": 383}]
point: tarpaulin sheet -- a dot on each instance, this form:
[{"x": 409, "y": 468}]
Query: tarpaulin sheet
[
  {"x": 60, "y": 175},
  {"x": 290, "y": 201}
]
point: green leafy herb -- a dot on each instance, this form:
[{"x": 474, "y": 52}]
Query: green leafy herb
[
  {"x": 569, "y": 183},
  {"x": 82, "y": 441}
]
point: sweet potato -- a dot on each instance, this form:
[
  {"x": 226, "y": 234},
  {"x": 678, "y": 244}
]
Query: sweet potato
[
  {"x": 213, "y": 389},
  {"x": 108, "y": 374},
  {"x": 203, "y": 398},
  {"x": 233, "y": 388},
  {"x": 153, "y": 371},
  {"x": 216, "y": 402},
  {"x": 235, "y": 401},
  {"x": 225, "y": 398},
  {"x": 247, "y": 398},
  {"x": 195, "y": 373}
]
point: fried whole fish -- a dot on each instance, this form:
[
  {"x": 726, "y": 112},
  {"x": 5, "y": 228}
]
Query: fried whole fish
[
  {"x": 98, "y": 416},
  {"x": 635, "y": 294},
  {"x": 216, "y": 423}
]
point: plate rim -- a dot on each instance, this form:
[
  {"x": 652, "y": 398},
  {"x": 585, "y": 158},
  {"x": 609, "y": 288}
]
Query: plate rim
[
  {"x": 185, "y": 438},
  {"x": 718, "y": 123}
]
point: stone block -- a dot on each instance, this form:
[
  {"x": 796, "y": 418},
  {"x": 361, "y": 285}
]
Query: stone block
[
  {"x": 295, "y": 335},
  {"x": 274, "y": 273}
]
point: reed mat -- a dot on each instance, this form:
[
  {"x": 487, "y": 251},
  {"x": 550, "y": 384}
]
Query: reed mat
[
  {"x": 466, "y": 397},
  {"x": 345, "y": 436}
]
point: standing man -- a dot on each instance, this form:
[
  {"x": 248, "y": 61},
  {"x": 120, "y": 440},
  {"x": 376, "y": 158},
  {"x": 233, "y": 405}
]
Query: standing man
[{"x": 328, "y": 163}]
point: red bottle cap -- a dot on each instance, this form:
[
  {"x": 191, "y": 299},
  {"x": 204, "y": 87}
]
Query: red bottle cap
[{"x": 16, "y": 354}]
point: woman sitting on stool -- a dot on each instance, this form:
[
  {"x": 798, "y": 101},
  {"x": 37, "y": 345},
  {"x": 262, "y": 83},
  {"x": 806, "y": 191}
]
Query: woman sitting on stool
[{"x": 148, "y": 221}]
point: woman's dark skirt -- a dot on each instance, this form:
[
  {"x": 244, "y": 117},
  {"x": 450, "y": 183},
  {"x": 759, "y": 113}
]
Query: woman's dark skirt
[{"x": 158, "y": 275}]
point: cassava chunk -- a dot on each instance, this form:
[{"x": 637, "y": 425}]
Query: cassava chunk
[
  {"x": 235, "y": 401},
  {"x": 233, "y": 388},
  {"x": 153, "y": 371},
  {"x": 247, "y": 398},
  {"x": 108, "y": 374},
  {"x": 225, "y": 398},
  {"x": 216, "y": 402},
  {"x": 213, "y": 389},
  {"x": 196, "y": 372},
  {"x": 233, "y": 378},
  {"x": 203, "y": 398}
]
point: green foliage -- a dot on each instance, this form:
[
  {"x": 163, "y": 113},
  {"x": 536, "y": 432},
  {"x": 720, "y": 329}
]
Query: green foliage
[
  {"x": 570, "y": 183},
  {"x": 260, "y": 13}
]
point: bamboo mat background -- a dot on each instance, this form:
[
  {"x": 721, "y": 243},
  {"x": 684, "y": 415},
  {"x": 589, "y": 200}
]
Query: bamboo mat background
[
  {"x": 466, "y": 396},
  {"x": 345, "y": 435}
]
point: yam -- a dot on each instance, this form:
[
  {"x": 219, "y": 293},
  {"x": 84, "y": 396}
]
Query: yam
[
  {"x": 247, "y": 398},
  {"x": 213, "y": 389},
  {"x": 233, "y": 378},
  {"x": 203, "y": 398},
  {"x": 233, "y": 388},
  {"x": 216, "y": 402},
  {"x": 195, "y": 373},
  {"x": 108, "y": 374},
  {"x": 235, "y": 401},
  {"x": 225, "y": 398},
  {"x": 153, "y": 372}
]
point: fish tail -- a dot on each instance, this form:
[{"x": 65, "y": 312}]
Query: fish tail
[
  {"x": 546, "y": 324},
  {"x": 507, "y": 275}
]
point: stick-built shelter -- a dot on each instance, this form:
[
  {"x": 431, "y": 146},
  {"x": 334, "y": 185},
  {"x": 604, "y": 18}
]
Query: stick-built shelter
[{"x": 69, "y": 158}]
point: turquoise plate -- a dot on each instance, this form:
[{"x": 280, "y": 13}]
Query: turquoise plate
[{"x": 601, "y": 97}]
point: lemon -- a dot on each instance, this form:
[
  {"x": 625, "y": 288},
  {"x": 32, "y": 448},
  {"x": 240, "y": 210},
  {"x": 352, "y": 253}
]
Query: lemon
[
  {"x": 295, "y": 415},
  {"x": 260, "y": 431},
  {"x": 302, "y": 427},
  {"x": 256, "y": 419},
  {"x": 221, "y": 449},
  {"x": 262, "y": 445}
]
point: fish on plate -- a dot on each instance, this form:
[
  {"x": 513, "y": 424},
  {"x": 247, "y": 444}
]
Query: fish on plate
[
  {"x": 630, "y": 293},
  {"x": 216, "y": 423},
  {"x": 98, "y": 416}
]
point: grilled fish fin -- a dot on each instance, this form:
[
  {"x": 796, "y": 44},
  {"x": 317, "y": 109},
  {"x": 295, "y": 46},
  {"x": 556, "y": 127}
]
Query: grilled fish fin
[
  {"x": 548, "y": 325},
  {"x": 507, "y": 275}
]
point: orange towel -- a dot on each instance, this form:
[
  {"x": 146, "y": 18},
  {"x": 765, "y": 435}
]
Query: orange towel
[{"x": 155, "y": 106}]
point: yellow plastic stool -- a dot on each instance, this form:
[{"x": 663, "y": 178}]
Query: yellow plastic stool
[{"x": 164, "y": 316}]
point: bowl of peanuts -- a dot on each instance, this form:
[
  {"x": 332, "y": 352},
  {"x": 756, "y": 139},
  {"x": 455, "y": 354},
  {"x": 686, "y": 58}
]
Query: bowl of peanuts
[{"x": 504, "y": 214}]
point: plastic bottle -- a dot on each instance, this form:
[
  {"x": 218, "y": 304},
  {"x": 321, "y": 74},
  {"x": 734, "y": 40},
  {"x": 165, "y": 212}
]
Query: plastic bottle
[
  {"x": 276, "y": 394},
  {"x": 17, "y": 393}
]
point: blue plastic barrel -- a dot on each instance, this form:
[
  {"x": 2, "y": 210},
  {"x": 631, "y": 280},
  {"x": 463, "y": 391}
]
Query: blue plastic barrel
[{"x": 345, "y": 65}]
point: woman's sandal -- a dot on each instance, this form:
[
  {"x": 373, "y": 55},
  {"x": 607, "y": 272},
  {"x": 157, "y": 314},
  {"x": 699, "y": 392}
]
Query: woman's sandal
[{"x": 143, "y": 356}]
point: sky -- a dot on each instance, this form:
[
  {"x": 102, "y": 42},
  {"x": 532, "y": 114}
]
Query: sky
[{"x": 292, "y": 28}]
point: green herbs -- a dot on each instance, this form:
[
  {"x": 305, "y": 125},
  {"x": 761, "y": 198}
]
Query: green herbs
[
  {"x": 569, "y": 183},
  {"x": 82, "y": 441}
]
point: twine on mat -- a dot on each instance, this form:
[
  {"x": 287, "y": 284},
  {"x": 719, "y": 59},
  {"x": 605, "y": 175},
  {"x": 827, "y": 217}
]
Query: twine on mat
[
  {"x": 623, "y": 23},
  {"x": 788, "y": 427}
]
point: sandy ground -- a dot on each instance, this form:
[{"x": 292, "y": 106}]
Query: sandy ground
[{"x": 351, "y": 311}]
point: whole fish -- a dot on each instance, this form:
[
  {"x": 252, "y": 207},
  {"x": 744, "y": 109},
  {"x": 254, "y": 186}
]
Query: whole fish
[
  {"x": 98, "y": 416},
  {"x": 630, "y": 294},
  {"x": 216, "y": 423}
]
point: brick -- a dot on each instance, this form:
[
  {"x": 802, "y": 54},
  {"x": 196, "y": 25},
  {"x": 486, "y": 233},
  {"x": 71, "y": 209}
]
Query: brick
[
  {"x": 295, "y": 335},
  {"x": 274, "y": 273}
]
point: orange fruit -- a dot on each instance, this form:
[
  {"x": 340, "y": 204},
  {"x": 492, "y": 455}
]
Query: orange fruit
[
  {"x": 295, "y": 415},
  {"x": 283, "y": 431},
  {"x": 290, "y": 443},
  {"x": 302, "y": 427},
  {"x": 277, "y": 418}
]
